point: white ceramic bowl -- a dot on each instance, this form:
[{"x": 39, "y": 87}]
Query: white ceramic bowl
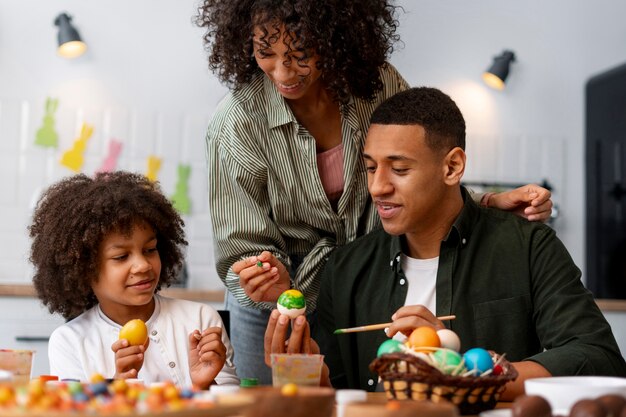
[{"x": 562, "y": 392}]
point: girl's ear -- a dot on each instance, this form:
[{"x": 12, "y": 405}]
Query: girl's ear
[{"x": 454, "y": 166}]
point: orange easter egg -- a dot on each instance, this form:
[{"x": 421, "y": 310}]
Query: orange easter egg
[{"x": 424, "y": 336}]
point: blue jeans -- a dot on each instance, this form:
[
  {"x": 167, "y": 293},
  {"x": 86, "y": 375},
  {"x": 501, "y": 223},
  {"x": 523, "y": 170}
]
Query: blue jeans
[{"x": 247, "y": 330}]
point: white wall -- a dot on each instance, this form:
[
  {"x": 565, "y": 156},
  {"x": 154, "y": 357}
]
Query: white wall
[{"x": 144, "y": 80}]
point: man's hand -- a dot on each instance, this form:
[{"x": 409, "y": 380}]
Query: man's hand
[
  {"x": 263, "y": 277},
  {"x": 299, "y": 341},
  {"x": 408, "y": 318},
  {"x": 128, "y": 359},
  {"x": 530, "y": 201},
  {"x": 207, "y": 355}
]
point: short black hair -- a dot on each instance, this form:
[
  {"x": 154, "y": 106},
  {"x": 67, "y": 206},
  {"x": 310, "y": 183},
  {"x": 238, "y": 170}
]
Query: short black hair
[
  {"x": 430, "y": 108},
  {"x": 73, "y": 217}
]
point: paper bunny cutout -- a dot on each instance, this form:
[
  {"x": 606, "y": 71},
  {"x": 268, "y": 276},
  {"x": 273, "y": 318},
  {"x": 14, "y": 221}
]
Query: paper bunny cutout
[
  {"x": 180, "y": 199},
  {"x": 47, "y": 136},
  {"x": 110, "y": 162},
  {"x": 154, "y": 165},
  {"x": 73, "y": 159}
]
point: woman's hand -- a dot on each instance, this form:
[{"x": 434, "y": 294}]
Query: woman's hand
[
  {"x": 408, "y": 318},
  {"x": 530, "y": 201},
  {"x": 263, "y": 277},
  {"x": 299, "y": 341},
  {"x": 128, "y": 359},
  {"x": 207, "y": 355}
]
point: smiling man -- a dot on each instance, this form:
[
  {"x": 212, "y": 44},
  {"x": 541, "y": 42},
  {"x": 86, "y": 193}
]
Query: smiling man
[{"x": 511, "y": 283}]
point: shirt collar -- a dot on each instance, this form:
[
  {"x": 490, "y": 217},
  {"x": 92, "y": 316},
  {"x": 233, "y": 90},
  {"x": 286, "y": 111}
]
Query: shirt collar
[
  {"x": 280, "y": 113},
  {"x": 460, "y": 231}
]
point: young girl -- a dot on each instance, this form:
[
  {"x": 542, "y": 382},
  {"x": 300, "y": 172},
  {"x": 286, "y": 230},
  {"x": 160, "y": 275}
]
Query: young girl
[{"x": 102, "y": 249}]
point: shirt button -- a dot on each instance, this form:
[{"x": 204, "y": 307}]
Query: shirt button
[
  {"x": 172, "y": 365},
  {"x": 153, "y": 332},
  {"x": 370, "y": 382},
  {"x": 402, "y": 281},
  {"x": 464, "y": 241}
]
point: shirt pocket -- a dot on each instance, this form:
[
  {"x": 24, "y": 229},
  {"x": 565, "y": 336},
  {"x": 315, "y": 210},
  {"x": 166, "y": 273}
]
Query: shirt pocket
[{"x": 502, "y": 324}]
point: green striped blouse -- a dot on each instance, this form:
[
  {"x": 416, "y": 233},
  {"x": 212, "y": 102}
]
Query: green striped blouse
[{"x": 265, "y": 191}]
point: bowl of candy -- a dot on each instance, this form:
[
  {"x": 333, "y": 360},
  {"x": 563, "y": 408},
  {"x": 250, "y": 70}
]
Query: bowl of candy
[{"x": 473, "y": 381}]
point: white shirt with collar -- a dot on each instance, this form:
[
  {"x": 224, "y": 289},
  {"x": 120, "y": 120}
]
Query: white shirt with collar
[{"x": 82, "y": 347}]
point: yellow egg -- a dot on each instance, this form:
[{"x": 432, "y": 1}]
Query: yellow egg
[
  {"x": 289, "y": 390},
  {"x": 135, "y": 331},
  {"x": 424, "y": 336}
]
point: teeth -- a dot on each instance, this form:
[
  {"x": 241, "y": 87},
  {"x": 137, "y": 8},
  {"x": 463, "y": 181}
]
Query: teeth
[{"x": 288, "y": 86}]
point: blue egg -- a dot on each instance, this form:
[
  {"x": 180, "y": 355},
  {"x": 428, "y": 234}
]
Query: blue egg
[
  {"x": 389, "y": 346},
  {"x": 478, "y": 358}
]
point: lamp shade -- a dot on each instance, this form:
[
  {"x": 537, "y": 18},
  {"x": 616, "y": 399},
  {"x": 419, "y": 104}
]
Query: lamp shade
[
  {"x": 70, "y": 43},
  {"x": 497, "y": 73}
]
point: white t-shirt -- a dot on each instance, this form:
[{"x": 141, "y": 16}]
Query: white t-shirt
[
  {"x": 82, "y": 347},
  {"x": 421, "y": 275}
]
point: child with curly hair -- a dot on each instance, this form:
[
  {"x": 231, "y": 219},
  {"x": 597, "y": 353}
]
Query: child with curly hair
[{"x": 102, "y": 249}]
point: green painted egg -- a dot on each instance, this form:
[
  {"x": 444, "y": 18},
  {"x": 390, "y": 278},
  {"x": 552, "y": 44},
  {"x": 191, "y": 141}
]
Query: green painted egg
[{"x": 389, "y": 346}]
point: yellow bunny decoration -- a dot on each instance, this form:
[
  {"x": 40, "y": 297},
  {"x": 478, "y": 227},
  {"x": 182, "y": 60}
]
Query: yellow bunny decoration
[
  {"x": 154, "y": 165},
  {"x": 73, "y": 159}
]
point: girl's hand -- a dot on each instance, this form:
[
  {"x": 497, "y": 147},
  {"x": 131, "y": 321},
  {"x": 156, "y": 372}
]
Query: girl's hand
[
  {"x": 207, "y": 355},
  {"x": 128, "y": 359},
  {"x": 263, "y": 277}
]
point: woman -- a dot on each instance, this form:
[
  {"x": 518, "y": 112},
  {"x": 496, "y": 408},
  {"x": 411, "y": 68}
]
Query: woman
[{"x": 286, "y": 176}]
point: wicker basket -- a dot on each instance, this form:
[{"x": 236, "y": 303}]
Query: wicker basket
[{"x": 406, "y": 377}]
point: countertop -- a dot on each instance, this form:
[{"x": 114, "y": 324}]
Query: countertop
[{"x": 217, "y": 296}]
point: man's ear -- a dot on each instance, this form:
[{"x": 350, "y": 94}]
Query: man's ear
[{"x": 454, "y": 166}]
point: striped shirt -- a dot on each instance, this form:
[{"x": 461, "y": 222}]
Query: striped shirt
[{"x": 265, "y": 189}]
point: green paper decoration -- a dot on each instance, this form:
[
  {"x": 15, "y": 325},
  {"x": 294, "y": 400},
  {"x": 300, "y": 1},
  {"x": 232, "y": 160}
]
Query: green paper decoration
[
  {"x": 180, "y": 199},
  {"x": 47, "y": 135}
]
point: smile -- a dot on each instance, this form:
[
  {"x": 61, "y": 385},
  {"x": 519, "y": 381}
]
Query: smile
[{"x": 141, "y": 285}]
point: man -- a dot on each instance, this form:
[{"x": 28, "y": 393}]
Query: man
[{"x": 511, "y": 283}]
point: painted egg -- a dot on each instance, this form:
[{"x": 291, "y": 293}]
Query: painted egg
[
  {"x": 449, "y": 339},
  {"x": 135, "y": 331},
  {"x": 291, "y": 303},
  {"x": 448, "y": 361},
  {"x": 389, "y": 346},
  {"x": 479, "y": 359},
  {"x": 424, "y": 336}
]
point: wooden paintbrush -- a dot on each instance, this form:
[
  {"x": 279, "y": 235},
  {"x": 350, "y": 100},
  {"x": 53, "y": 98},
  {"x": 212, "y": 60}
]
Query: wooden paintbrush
[{"x": 379, "y": 326}]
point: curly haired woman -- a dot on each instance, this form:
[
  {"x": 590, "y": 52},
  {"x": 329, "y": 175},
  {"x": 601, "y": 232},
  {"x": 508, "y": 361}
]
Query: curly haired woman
[
  {"x": 286, "y": 177},
  {"x": 102, "y": 248}
]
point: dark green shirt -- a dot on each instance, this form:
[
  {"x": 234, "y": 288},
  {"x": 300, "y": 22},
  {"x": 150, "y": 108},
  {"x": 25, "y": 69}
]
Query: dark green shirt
[{"x": 511, "y": 284}]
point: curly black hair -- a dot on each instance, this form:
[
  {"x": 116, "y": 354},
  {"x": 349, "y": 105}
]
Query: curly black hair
[
  {"x": 72, "y": 218},
  {"x": 353, "y": 39},
  {"x": 430, "y": 108}
]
